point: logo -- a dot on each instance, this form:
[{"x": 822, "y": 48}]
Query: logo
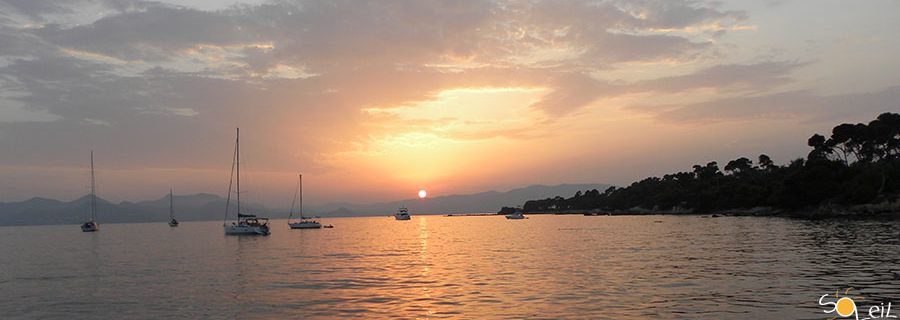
[{"x": 845, "y": 307}]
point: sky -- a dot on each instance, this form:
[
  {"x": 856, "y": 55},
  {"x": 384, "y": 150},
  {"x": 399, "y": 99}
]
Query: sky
[{"x": 374, "y": 100}]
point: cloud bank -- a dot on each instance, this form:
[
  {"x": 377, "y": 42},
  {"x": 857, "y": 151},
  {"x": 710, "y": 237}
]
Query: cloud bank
[{"x": 163, "y": 85}]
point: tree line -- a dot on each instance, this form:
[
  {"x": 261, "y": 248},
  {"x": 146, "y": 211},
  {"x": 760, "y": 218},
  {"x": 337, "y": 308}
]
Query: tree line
[{"x": 856, "y": 164}]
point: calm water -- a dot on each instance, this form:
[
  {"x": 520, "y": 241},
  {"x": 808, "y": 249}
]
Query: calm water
[{"x": 451, "y": 267}]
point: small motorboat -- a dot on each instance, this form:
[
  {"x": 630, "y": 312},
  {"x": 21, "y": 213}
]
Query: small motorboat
[
  {"x": 515, "y": 216},
  {"x": 402, "y": 214}
]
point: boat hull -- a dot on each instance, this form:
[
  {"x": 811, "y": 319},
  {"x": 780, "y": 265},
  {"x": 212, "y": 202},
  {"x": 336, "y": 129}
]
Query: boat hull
[
  {"x": 173, "y": 223},
  {"x": 305, "y": 225},
  {"x": 237, "y": 230},
  {"x": 90, "y": 227},
  {"x": 515, "y": 216},
  {"x": 401, "y": 217}
]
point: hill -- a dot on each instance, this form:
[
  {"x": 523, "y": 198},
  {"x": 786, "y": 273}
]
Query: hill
[
  {"x": 467, "y": 203},
  {"x": 198, "y": 207}
]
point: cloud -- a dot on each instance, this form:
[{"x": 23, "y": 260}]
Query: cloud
[
  {"x": 678, "y": 14},
  {"x": 758, "y": 76},
  {"x": 571, "y": 91},
  {"x": 165, "y": 85},
  {"x": 801, "y": 104},
  {"x": 155, "y": 34}
]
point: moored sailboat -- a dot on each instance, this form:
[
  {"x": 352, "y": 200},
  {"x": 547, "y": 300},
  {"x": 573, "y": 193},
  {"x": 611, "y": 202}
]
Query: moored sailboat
[
  {"x": 172, "y": 221},
  {"x": 246, "y": 224},
  {"x": 304, "y": 222},
  {"x": 92, "y": 225}
]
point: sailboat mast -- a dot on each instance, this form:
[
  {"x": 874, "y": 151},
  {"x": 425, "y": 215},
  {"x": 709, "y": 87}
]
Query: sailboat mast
[
  {"x": 230, "y": 184},
  {"x": 171, "y": 205},
  {"x": 237, "y": 155},
  {"x": 294, "y": 201},
  {"x": 93, "y": 191},
  {"x": 301, "y": 196}
]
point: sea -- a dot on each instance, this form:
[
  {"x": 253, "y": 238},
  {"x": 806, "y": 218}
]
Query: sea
[{"x": 438, "y": 267}]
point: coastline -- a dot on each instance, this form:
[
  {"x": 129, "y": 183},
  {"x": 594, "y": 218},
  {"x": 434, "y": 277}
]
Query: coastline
[{"x": 885, "y": 209}]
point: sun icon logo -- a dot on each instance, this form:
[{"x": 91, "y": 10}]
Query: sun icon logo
[{"x": 843, "y": 306}]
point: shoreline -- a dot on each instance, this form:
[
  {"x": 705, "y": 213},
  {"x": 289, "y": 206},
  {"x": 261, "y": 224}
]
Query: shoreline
[{"x": 866, "y": 211}]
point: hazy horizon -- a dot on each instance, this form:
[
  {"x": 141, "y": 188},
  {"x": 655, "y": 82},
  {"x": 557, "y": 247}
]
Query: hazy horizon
[
  {"x": 284, "y": 204},
  {"x": 373, "y": 101}
]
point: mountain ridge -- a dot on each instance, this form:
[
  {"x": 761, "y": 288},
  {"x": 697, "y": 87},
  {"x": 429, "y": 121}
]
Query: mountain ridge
[{"x": 206, "y": 206}]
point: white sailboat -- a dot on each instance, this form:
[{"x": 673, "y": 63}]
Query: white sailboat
[
  {"x": 246, "y": 224},
  {"x": 402, "y": 214},
  {"x": 92, "y": 226},
  {"x": 304, "y": 222},
  {"x": 172, "y": 221}
]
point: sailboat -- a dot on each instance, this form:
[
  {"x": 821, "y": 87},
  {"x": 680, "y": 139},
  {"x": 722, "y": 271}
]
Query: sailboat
[
  {"x": 172, "y": 221},
  {"x": 246, "y": 224},
  {"x": 92, "y": 226},
  {"x": 305, "y": 222}
]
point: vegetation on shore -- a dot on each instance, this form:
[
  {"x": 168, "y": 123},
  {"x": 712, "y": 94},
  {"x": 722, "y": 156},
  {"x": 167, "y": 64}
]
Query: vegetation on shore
[{"x": 859, "y": 164}]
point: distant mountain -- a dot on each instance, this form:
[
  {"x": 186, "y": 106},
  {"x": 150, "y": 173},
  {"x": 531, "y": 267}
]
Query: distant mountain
[
  {"x": 198, "y": 207},
  {"x": 205, "y": 207},
  {"x": 490, "y": 201}
]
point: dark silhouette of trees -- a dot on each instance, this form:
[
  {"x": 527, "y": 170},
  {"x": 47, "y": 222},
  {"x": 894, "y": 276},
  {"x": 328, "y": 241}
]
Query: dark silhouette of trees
[
  {"x": 856, "y": 164},
  {"x": 739, "y": 166}
]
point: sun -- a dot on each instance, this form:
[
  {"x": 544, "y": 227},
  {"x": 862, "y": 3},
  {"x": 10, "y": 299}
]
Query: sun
[{"x": 423, "y": 194}]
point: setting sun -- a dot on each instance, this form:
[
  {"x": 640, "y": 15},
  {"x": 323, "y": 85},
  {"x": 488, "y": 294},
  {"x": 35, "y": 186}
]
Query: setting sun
[{"x": 423, "y": 194}]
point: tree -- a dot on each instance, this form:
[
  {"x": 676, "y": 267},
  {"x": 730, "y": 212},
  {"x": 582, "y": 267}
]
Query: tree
[
  {"x": 766, "y": 163},
  {"x": 820, "y": 149},
  {"x": 709, "y": 171},
  {"x": 739, "y": 166},
  {"x": 858, "y": 164}
]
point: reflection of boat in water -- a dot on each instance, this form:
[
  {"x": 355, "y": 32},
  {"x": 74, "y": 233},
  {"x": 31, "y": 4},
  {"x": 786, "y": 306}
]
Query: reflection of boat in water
[
  {"x": 515, "y": 216},
  {"x": 246, "y": 223},
  {"x": 402, "y": 214},
  {"x": 304, "y": 223},
  {"x": 172, "y": 221},
  {"x": 92, "y": 226}
]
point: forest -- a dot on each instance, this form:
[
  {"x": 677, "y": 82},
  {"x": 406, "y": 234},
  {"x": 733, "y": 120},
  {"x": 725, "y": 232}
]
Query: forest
[{"x": 856, "y": 164}]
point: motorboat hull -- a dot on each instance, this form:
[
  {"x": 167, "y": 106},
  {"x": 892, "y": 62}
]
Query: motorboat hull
[{"x": 402, "y": 217}]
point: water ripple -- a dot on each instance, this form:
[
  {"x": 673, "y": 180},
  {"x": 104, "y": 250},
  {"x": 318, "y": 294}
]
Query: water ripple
[{"x": 545, "y": 267}]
